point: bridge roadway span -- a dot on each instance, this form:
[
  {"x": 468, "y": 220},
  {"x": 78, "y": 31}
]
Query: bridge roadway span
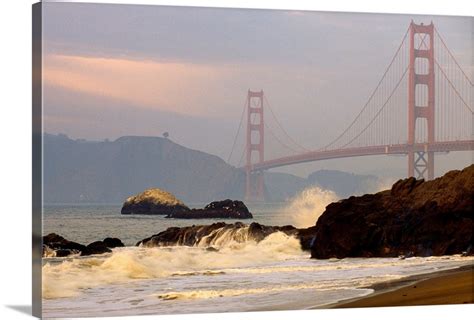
[{"x": 394, "y": 149}]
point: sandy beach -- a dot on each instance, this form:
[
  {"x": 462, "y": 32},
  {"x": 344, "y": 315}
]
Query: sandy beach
[{"x": 446, "y": 287}]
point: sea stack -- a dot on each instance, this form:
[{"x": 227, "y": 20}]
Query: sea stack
[{"x": 153, "y": 201}]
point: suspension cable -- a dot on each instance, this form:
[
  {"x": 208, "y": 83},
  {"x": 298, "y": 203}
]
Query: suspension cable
[
  {"x": 452, "y": 86},
  {"x": 238, "y": 131},
  {"x": 281, "y": 127},
  {"x": 452, "y": 56},
  {"x": 377, "y": 114},
  {"x": 371, "y": 96}
]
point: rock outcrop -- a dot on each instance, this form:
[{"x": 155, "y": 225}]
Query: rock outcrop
[
  {"x": 413, "y": 218},
  {"x": 160, "y": 202},
  {"x": 153, "y": 201},
  {"x": 57, "y": 246},
  {"x": 225, "y": 209},
  {"x": 221, "y": 233}
]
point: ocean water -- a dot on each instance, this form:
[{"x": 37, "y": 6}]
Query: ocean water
[
  {"x": 273, "y": 274},
  {"x": 88, "y": 223}
]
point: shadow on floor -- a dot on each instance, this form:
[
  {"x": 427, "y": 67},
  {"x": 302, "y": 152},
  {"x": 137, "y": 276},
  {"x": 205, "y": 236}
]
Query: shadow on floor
[{"x": 23, "y": 309}]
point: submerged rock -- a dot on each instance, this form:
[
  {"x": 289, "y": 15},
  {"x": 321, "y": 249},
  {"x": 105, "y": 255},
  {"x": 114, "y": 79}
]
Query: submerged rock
[
  {"x": 55, "y": 245},
  {"x": 113, "y": 243},
  {"x": 97, "y": 247},
  {"x": 225, "y": 209},
  {"x": 153, "y": 201},
  {"x": 413, "y": 218}
]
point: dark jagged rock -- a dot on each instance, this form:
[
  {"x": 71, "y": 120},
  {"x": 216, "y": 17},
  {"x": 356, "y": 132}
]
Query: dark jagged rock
[
  {"x": 57, "y": 246},
  {"x": 60, "y": 253},
  {"x": 96, "y": 247},
  {"x": 220, "y": 232},
  {"x": 187, "y": 236},
  {"x": 153, "y": 201},
  {"x": 54, "y": 243},
  {"x": 113, "y": 243},
  {"x": 306, "y": 237},
  {"x": 225, "y": 209},
  {"x": 156, "y": 201},
  {"x": 208, "y": 235},
  {"x": 53, "y": 238},
  {"x": 413, "y": 218}
]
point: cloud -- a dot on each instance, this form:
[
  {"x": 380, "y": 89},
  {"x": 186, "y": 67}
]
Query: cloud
[
  {"x": 116, "y": 66},
  {"x": 176, "y": 87},
  {"x": 216, "y": 90}
]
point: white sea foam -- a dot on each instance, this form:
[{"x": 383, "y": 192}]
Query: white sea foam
[
  {"x": 165, "y": 284},
  {"x": 242, "y": 275},
  {"x": 69, "y": 277},
  {"x": 308, "y": 205},
  {"x": 225, "y": 236},
  {"x": 209, "y": 294}
]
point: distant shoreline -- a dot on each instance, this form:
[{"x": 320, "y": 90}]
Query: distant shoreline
[{"x": 454, "y": 286}]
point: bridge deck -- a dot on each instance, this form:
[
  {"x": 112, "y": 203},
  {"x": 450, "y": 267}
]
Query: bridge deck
[{"x": 447, "y": 146}]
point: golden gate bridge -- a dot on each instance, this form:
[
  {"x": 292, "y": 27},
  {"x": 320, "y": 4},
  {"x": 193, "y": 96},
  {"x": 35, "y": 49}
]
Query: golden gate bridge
[{"x": 421, "y": 105}]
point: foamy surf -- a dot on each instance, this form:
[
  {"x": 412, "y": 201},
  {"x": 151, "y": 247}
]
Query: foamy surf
[
  {"x": 70, "y": 276},
  {"x": 185, "y": 279},
  {"x": 211, "y": 294}
]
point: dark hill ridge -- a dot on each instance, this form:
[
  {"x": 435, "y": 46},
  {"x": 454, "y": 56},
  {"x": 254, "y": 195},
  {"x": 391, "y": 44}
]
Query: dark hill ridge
[
  {"x": 109, "y": 171},
  {"x": 413, "y": 218},
  {"x": 81, "y": 171}
]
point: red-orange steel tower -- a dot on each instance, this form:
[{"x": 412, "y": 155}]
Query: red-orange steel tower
[
  {"x": 254, "y": 188},
  {"x": 421, "y": 101}
]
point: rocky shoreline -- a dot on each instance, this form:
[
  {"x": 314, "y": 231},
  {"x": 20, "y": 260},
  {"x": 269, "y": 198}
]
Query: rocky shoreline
[
  {"x": 203, "y": 235},
  {"x": 414, "y": 218}
]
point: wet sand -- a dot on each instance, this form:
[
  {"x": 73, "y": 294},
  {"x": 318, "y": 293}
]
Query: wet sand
[{"x": 446, "y": 287}]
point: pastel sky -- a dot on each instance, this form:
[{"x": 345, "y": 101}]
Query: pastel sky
[{"x": 114, "y": 70}]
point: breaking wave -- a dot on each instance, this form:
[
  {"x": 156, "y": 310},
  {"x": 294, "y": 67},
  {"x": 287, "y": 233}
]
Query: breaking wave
[
  {"x": 307, "y": 206},
  {"x": 224, "y": 236},
  {"x": 69, "y": 277}
]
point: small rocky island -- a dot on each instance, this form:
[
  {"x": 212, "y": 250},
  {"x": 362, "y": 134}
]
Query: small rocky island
[
  {"x": 160, "y": 202},
  {"x": 153, "y": 201}
]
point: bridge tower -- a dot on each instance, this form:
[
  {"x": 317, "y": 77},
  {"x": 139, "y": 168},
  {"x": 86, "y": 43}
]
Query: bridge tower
[
  {"x": 421, "y": 98},
  {"x": 254, "y": 148}
]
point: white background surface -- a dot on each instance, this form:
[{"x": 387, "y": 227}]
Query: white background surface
[{"x": 15, "y": 155}]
